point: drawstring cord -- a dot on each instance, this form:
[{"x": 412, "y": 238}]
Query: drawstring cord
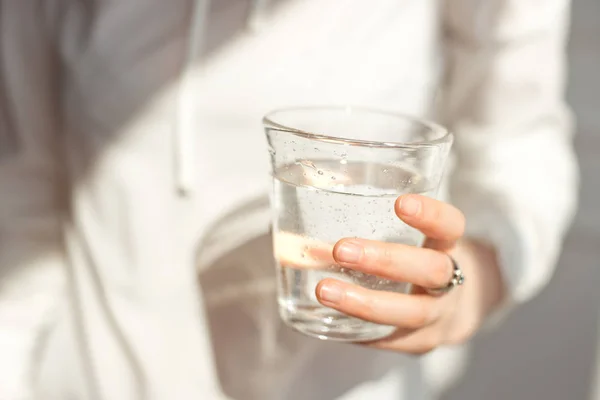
[{"x": 184, "y": 132}]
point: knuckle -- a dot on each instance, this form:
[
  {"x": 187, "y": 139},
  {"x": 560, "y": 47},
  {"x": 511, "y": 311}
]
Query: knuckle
[
  {"x": 460, "y": 223},
  {"x": 429, "y": 343},
  {"x": 419, "y": 320},
  {"x": 367, "y": 308},
  {"x": 386, "y": 257},
  {"x": 433, "y": 211},
  {"x": 424, "y": 314},
  {"x": 432, "y": 342},
  {"x": 441, "y": 270},
  {"x": 462, "y": 335},
  {"x": 448, "y": 220}
]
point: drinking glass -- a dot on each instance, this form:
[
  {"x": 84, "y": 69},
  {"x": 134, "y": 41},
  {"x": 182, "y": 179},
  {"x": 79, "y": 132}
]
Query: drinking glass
[{"x": 337, "y": 172}]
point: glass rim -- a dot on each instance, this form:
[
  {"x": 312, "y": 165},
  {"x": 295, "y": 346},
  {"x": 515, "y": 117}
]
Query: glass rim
[{"x": 445, "y": 135}]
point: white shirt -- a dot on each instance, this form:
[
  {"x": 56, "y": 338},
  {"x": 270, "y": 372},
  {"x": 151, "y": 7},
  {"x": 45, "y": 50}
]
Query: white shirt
[{"x": 133, "y": 166}]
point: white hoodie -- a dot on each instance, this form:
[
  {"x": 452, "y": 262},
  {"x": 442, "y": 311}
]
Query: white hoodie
[{"x": 133, "y": 166}]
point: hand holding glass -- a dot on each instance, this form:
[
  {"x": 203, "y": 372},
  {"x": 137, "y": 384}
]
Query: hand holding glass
[{"x": 337, "y": 172}]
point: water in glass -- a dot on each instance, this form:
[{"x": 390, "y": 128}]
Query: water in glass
[{"x": 318, "y": 202}]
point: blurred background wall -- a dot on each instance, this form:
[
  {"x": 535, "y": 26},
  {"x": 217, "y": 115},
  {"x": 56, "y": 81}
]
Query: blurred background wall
[{"x": 547, "y": 349}]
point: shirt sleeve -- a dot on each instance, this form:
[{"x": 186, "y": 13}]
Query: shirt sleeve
[{"x": 515, "y": 176}]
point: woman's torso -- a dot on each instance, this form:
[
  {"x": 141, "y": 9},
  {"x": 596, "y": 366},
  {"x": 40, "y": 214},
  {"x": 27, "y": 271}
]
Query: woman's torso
[{"x": 147, "y": 114}]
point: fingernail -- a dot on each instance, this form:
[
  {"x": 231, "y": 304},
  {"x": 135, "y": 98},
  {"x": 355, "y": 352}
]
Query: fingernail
[
  {"x": 331, "y": 293},
  {"x": 349, "y": 252},
  {"x": 409, "y": 206}
]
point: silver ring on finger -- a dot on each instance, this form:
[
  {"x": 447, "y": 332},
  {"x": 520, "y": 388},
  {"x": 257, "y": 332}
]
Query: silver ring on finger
[{"x": 458, "y": 278}]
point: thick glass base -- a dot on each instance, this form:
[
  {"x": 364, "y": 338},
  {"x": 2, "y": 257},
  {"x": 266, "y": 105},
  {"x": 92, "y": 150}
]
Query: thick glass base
[{"x": 327, "y": 324}]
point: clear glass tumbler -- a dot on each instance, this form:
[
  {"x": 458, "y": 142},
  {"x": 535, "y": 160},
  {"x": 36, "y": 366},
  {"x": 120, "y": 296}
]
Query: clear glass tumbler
[{"x": 337, "y": 172}]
